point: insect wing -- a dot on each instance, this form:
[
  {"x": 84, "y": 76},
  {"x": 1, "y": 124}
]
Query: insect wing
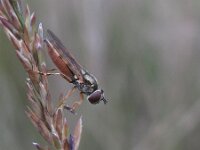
[
  {"x": 70, "y": 61},
  {"x": 59, "y": 62}
]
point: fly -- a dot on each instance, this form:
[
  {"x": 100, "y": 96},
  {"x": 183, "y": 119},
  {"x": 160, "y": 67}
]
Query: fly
[{"x": 73, "y": 72}]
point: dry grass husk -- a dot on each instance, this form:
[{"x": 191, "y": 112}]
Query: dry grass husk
[{"x": 20, "y": 27}]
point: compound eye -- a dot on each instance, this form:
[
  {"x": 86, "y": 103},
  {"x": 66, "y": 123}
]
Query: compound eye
[{"x": 95, "y": 97}]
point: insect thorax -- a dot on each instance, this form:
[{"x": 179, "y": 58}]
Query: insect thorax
[{"x": 89, "y": 85}]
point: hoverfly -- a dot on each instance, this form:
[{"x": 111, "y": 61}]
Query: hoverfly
[{"x": 73, "y": 72}]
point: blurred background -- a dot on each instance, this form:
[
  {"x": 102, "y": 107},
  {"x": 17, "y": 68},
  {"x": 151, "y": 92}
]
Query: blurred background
[{"x": 145, "y": 55}]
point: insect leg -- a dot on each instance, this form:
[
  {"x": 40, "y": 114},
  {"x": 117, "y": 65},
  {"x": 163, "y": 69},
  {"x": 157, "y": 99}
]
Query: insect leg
[
  {"x": 55, "y": 73},
  {"x": 76, "y": 104},
  {"x": 69, "y": 93}
]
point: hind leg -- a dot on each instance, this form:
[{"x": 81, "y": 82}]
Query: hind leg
[{"x": 56, "y": 73}]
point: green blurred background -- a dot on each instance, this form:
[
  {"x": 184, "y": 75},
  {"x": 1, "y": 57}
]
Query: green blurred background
[{"x": 145, "y": 55}]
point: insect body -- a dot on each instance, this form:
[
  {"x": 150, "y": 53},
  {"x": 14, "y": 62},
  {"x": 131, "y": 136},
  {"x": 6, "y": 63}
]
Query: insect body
[{"x": 72, "y": 71}]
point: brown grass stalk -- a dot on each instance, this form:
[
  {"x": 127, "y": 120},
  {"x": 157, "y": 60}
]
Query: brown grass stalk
[{"x": 20, "y": 27}]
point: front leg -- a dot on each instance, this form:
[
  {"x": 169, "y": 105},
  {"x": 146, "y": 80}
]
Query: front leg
[
  {"x": 63, "y": 100},
  {"x": 76, "y": 104}
]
